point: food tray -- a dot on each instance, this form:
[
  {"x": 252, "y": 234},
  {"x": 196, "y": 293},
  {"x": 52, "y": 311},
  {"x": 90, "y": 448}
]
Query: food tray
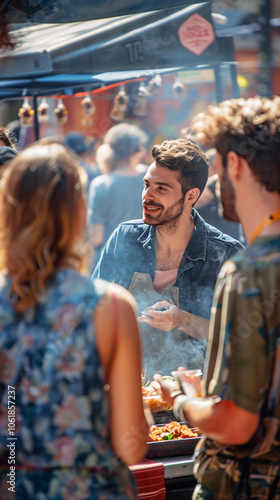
[
  {"x": 172, "y": 447},
  {"x": 156, "y": 403},
  {"x": 163, "y": 417}
]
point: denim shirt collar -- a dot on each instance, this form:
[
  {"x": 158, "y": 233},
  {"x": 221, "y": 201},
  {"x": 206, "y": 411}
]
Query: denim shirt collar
[{"x": 196, "y": 248}]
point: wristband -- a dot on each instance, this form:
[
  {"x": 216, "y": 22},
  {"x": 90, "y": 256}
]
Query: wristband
[
  {"x": 178, "y": 407},
  {"x": 176, "y": 393}
]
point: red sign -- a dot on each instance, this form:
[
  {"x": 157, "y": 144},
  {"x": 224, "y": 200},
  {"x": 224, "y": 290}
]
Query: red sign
[{"x": 196, "y": 34}]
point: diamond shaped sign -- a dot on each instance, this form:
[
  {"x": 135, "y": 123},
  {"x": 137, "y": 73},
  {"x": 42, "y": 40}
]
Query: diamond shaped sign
[{"x": 196, "y": 34}]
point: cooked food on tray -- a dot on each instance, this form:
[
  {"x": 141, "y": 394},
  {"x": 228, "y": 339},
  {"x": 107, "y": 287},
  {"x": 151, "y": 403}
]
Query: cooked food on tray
[
  {"x": 173, "y": 430},
  {"x": 148, "y": 390},
  {"x": 152, "y": 398},
  {"x": 155, "y": 402}
]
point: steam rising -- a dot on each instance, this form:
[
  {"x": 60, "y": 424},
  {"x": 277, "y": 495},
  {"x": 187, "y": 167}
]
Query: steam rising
[{"x": 163, "y": 352}]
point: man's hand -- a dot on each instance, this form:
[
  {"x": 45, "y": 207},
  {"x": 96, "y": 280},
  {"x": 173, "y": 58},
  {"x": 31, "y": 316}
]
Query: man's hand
[
  {"x": 223, "y": 421},
  {"x": 165, "y": 387},
  {"x": 174, "y": 317},
  {"x": 164, "y": 320}
]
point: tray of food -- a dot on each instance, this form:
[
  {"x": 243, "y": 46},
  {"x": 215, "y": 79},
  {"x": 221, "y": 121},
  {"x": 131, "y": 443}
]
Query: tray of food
[
  {"x": 154, "y": 400},
  {"x": 156, "y": 403},
  {"x": 172, "y": 439},
  {"x": 163, "y": 417}
]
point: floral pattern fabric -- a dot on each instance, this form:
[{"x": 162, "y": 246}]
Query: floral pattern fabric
[{"x": 49, "y": 356}]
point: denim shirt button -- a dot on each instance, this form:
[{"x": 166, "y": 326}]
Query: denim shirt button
[
  {"x": 149, "y": 247},
  {"x": 151, "y": 263},
  {"x": 120, "y": 282}
]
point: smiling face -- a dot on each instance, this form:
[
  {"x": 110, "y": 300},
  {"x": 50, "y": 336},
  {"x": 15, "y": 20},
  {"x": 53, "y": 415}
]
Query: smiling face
[{"x": 162, "y": 198}]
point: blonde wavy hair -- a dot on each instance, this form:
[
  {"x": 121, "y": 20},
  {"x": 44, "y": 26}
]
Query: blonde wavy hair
[
  {"x": 41, "y": 206},
  {"x": 250, "y": 128}
]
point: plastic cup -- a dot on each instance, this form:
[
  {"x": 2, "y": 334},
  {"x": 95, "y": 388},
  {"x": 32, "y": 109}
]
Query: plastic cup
[{"x": 189, "y": 381}]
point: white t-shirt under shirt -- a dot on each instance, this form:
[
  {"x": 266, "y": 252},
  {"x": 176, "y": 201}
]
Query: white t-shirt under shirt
[{"x": 163, "y": 278}]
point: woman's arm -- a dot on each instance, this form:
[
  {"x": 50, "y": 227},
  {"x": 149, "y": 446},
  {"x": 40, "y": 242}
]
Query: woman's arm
[{"x": 121, "y": 359}]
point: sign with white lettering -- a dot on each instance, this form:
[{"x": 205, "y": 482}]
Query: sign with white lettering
[{"x": 196, "y": 34}]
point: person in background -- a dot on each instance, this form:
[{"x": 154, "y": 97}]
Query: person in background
[
  {"x": 6, "y": 155},
  {"x": 83, "y": 147},
  {"x": 5, "y": 140},
  {"x": 240, "y": 410},
  {"x": 70, "y": 363},
  {"x": 208, "y": 205},
  {"x": 170, "y": 259},
  {"x": 13, "y": 130},
  {"x": 115, "y": 196}
]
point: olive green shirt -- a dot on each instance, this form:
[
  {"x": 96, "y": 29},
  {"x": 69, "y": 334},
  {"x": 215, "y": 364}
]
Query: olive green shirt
[{"x": 243, "y": 364}]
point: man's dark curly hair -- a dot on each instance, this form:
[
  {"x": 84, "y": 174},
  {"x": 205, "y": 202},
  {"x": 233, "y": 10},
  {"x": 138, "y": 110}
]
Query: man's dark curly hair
[
  {"x": 250, "y": 128},
  {"x": 184, "y": 156}
]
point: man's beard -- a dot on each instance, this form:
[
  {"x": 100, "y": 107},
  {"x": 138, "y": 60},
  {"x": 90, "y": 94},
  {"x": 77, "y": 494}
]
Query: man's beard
[
  {"x": 226, "y": 197},
  {"x": 169, "y": 217}
]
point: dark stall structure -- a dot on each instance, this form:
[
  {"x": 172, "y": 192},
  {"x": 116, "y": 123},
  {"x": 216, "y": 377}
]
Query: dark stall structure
[{"x": 54, "y": 59}]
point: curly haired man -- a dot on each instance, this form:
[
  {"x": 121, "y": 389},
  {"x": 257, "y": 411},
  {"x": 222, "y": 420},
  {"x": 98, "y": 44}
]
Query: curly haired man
[{"x": 240, "y": 410}]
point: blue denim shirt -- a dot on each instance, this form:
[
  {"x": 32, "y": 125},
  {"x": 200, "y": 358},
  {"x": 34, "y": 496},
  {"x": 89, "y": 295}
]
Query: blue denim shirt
[{"x": 131, "y": 249}]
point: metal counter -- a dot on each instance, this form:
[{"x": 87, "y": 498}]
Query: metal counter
[
  {"x": 176, "y": 466},
  {"x": 178, "y": 477}
]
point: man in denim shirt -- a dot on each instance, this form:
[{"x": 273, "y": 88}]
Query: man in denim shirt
[{"x": 170, "y": 260}]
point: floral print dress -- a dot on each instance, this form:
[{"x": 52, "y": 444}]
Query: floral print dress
[{"x": 48, "y": 357}]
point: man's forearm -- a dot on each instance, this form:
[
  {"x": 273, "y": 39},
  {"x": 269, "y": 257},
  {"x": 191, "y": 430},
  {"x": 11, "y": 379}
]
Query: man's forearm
[
  {"x": 174, "y": 317},
  {"x": 220, "y": 420},
  {"x": 193, "y": 325}
]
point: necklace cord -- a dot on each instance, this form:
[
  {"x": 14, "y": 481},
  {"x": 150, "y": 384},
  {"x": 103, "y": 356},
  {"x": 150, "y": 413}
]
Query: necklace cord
[{"x": 266, "y": 221}]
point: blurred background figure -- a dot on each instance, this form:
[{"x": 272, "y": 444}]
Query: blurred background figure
[
  {"x": 64, "y": 341},
  {"x": 7, "y": 149},
  {"x": 14, "y": 130},
  {"x": 116, "y": 196},
  {"x": 83, "y": 147},
  {"x": 208, "y": 205},
  {"x": 5, "y": 138},
  {"x": 6, "y": 155}
]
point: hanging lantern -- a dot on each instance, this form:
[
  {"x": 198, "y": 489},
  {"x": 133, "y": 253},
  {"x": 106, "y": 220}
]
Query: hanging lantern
[
  {"x": 88, "y": 105},
  {"x": 140, "y": 107},
  {"x": 179, "y": 89},
  {"x": 61, "y": 112},
  {"x": 26, "y": 113},
  {"x": 154, "y": 84},
  {"x": 88, "y": 109},
  {"x": 43, "y": 111},
  {"x": 120, "y": 105}
]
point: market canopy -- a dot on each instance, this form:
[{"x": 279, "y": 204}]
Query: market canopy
[
  {"x": 65, "y": 11},
  {"x": 68, "y": 84},
  {"x": 150, "y": 41}
]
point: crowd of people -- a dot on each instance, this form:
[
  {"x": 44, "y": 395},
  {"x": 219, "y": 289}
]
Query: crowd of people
[{"x": 168, "y": 289}]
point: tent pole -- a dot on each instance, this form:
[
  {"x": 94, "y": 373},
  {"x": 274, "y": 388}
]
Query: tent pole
[
  {"x": 36, "y": 123},
  {"x": 218, "y": 82},
  {"x": 233, "y": 77},
  {"x": 265, "y": 50}
]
